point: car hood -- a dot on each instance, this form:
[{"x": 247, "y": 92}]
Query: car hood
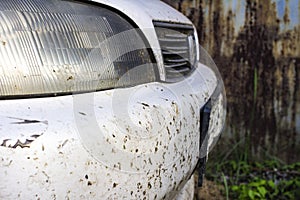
[{"x": 155, "y": 10}]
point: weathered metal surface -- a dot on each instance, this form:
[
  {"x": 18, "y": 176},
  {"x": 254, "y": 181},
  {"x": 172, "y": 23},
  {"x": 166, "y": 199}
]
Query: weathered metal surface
[{"x": 256, "y": 45}]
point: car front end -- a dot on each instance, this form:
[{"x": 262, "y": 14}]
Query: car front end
[{"x": 103, "y": 100}]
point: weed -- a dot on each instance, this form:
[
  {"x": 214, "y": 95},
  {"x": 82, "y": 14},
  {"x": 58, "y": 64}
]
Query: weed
[{"x": 258, "y": 180}]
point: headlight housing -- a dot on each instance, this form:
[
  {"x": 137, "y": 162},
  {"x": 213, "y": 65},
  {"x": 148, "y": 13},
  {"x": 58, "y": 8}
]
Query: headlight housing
[{"x": 57, "y": 47}]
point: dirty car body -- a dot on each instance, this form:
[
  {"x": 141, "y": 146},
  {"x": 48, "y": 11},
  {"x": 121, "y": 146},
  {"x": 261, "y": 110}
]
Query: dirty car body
[{"x": 102, "y": 100}]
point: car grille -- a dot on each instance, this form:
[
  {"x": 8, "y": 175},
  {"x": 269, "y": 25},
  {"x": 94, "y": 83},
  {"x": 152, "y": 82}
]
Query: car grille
[{"x": 177, "y": 42}]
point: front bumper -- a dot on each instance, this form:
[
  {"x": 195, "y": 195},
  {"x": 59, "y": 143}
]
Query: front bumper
[{"x": 138, "y": 142}]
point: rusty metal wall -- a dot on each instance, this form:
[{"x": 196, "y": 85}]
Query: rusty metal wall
[{"x": 256, "y": 45}]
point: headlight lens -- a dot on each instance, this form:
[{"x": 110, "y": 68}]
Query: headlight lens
[{"x": 56, "y": 47}]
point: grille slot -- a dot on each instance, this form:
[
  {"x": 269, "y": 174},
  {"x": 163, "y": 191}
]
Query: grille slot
[{"x": 177, "y": 43}]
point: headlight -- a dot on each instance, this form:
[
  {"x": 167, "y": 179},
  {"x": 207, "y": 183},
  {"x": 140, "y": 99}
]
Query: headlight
[{"x": 56, "y": 47}]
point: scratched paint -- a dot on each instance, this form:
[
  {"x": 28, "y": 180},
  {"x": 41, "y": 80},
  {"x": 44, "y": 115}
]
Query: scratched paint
[{"x": 256, "y": 45}]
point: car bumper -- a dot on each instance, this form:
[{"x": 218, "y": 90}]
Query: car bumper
[{"x": 138, "y": 142}]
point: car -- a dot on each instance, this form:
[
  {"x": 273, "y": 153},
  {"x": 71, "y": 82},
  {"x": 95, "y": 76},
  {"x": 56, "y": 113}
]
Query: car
[{"x": 104, "y": 99}]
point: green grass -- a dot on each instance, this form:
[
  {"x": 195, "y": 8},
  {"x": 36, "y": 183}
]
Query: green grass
[{"x": 269, "y": 179}]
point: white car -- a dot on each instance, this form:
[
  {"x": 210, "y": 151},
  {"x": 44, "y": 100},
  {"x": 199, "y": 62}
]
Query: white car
[{"x": 103, "y": 99}]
